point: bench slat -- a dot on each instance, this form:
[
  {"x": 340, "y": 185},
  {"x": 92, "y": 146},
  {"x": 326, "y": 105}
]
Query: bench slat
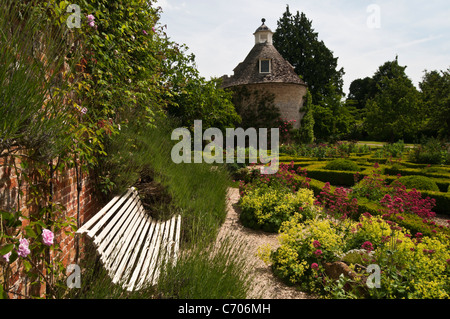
[
  {"x": 124, "y": 211},
  {"x": 162, "y": 252},
  {"x": 145, "y": 255},
  {"x": 107, "y": 216},
  {"x": 177, "y": 240},
  {"x": 108, "y": 244},
  {"x": 85, "y": 228},
  {"x": 131, "y": 246},
  {"x": 124, "y": 241},
  {"x": 130, "y": 254},
  {"x": 146, "y": 267}
]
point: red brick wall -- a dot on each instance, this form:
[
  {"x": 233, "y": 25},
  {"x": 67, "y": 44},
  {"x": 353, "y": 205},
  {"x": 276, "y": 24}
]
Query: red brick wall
[{"x": 65, "y": 192}]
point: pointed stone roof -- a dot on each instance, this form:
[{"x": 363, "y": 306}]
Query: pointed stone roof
[{"x": 247, "y": 72}]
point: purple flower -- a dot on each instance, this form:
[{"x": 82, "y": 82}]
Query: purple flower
[
  {"x": 84, "y": 110},
  {"x": 23, "y": 248},
  {"x": 47, "y": 237},
  {"x": 6, "y": 257},
  {"x": 91, "y": 21},
  {"x": 144, "y": 32}
]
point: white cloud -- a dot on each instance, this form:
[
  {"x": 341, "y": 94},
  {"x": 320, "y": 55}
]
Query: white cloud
[{"x": 220, "y": 33}]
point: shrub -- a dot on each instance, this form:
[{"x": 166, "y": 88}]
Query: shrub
[
  {"x": 338, "y": 202},
  {"x": 431, "y": 151},
  {"x": 372, "y": 186},
  {"x": 301, "y": 246},
  {"x": 442, "y": 201},
  {"x": 391, "y": 150},
  {"x": 412, "y": 266},
  {"x": 267, "y": 208},
  {"x": 419, "y": 182},
  {"x": 342, "y": 165}
]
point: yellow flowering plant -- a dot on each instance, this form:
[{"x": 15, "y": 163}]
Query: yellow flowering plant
[{"x": 267, "y": 208}]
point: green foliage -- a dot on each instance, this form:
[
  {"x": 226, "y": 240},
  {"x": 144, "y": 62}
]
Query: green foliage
[
  {"x": 395, "y": 112},
  {"x": 442, "y": 201},
  {"x": 298, "y": 43},
  {"x": 197, "y": 190},
  {"x": 267, "y": 208},
  {"x": 306, "y": 130},
  {"x": 333, "y": 119},
  {"x": 435, "y": 88},
  {"x": 411, "y": 267},
  {"x": 391, "y": 150},
  {"x": 255, "y": 107},
  {"x": 32, "y": 113},
  {"x": 342, "y": 165},
  {"x": 431, "y": 151},
  {"x": 207, "y": 271},
  {"x": 205, "y": 100},
  {"x": 337, "y": 178},
  {"x": 419, "y": 183}
]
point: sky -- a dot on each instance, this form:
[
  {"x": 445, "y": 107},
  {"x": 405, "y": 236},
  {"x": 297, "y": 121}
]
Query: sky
[{"x": 363, "y": 34}]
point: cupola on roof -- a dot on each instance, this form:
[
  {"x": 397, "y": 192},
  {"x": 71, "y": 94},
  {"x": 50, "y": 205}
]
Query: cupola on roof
[{"x": 263, "y": 64}]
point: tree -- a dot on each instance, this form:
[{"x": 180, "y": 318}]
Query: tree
[
  {"x": 206, "y": 101},
  {"x": 332, "y": 118},
  {"x": 360, "y": 91},
  {"x": 299, "y": 44},
  {"x": 306, "y": 130},
  {"x": 396, "y": 110},
  {"x": 435, "y": 89}
]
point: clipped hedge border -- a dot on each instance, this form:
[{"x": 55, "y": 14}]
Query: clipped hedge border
[
  {"x": 442, "y": 201},
  {"x": 443, "y": 184},
  {"x": 412, "y": 171}
]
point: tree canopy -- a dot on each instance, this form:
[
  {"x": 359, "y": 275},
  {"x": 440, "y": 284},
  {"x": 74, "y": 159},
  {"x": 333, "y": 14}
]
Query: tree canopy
[{"x": 297, "y": 41}]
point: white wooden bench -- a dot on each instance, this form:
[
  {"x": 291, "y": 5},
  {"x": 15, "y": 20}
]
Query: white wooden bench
[{"x": 131, "y": 245}]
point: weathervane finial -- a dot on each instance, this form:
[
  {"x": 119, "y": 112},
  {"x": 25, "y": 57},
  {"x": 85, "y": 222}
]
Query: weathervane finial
[{"x": 263, "y": 20}]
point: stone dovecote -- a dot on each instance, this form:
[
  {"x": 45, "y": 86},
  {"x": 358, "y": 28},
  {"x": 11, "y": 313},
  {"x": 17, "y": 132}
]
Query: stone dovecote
[{"x": 264, "y": 69}]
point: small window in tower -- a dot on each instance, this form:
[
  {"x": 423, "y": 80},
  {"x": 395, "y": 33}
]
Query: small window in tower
[
  {"x": 264, "y": 66},
  {"x": 263, "y": 38}
]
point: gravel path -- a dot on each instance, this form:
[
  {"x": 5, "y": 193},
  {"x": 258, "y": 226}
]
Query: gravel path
[{"x": 267, "y": 285}]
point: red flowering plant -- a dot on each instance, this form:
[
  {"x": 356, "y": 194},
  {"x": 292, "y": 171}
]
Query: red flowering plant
[
  {"x": 286, "y": 129},
  {"x": 372, "y": 186},
  {"x": 338, "y": 203},
  {"x": 286, "y": 178}
]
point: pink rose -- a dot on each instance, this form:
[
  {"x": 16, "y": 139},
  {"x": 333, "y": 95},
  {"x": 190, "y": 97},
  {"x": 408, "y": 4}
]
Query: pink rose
[
  {"x": 90, "y": 18},
  {"x": 23, "y": 248},
  {"x": 47, "y": 237},
  {"x": 6, "y": 257}
]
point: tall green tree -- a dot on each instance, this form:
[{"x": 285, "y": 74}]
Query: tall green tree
[
  {"x": 299, "y": 44},
  {"x": 435, "y": 89},
  {"x": 306, "y": 130},
  {"x": 396, "y": 110}
]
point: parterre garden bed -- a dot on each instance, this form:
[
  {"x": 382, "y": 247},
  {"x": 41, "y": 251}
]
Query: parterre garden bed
[{"x": 331, "y": 214}]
